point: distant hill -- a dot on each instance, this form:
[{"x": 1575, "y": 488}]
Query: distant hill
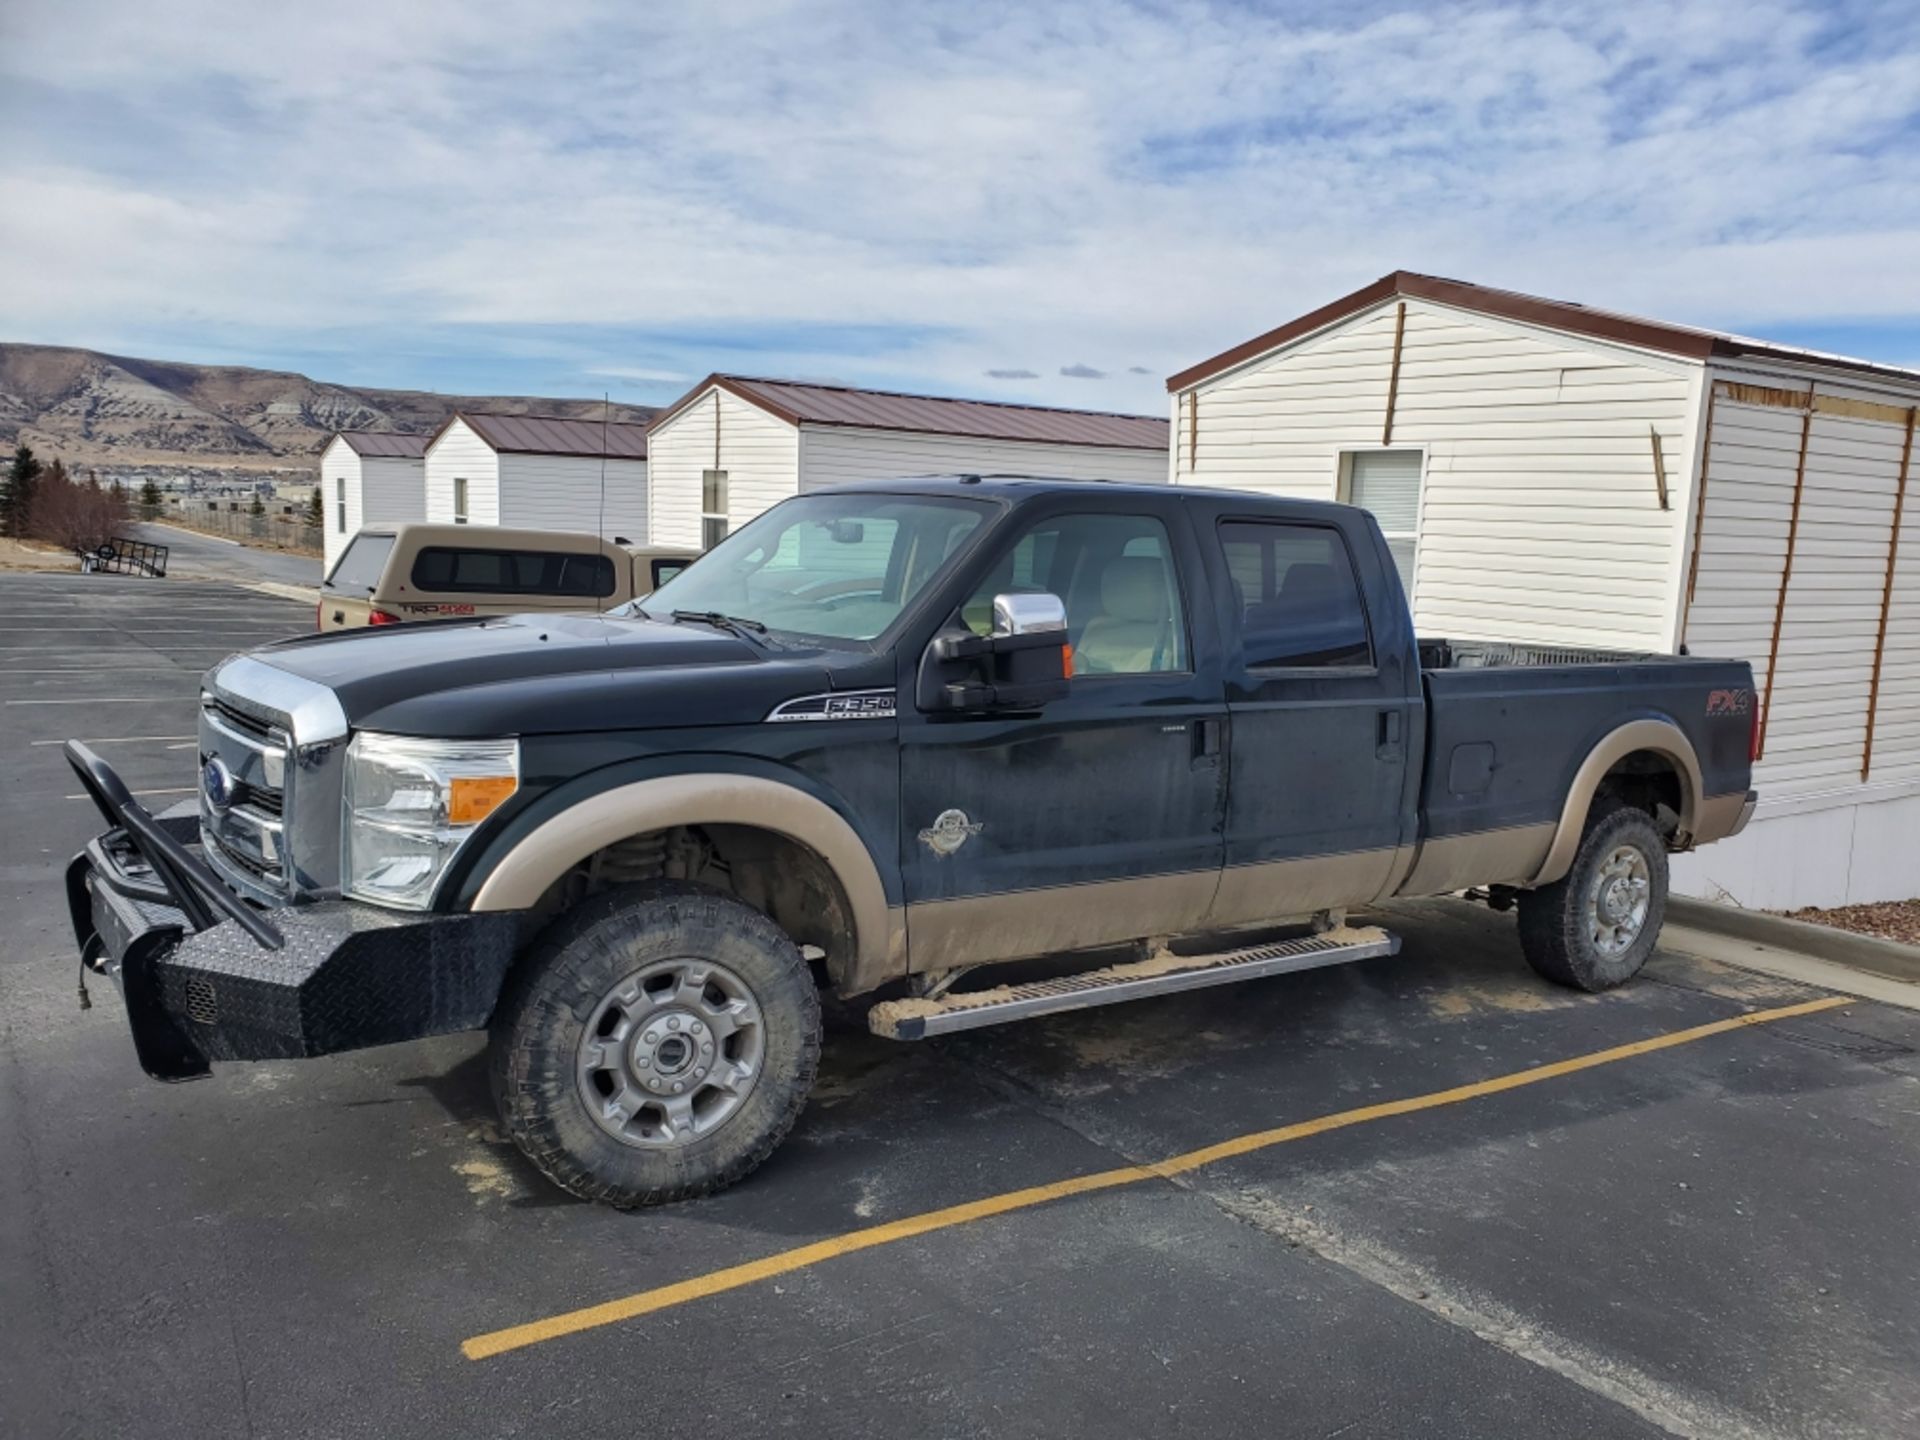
[{"x": 121, "y": 415}]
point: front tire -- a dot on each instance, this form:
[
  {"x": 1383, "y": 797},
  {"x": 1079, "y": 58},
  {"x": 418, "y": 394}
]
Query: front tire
[
  {"x": 1594, "y": 928},
  {"x": 657, "y": 1044}
]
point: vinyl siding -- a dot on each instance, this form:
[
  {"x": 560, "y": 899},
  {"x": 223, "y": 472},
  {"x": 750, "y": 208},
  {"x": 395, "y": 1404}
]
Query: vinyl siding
[
  {"x": 1816, "y": 725},
  {"x": 563, "y": 492},
  {"x": 836, "y": 454},
  {"x": 460, "y": 452},
  {"x": 1540, "y": 516},
  {"x": 760, "y": 454},
  {"x": 339, "y": 461},
  {"x": 392, "y": 490}
]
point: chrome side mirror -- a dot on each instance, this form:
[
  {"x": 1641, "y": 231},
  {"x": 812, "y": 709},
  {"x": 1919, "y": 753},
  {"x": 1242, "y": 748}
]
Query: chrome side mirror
[
  {"x": 1028, "y": 613},
  {"x": 1022, "y": 665}
]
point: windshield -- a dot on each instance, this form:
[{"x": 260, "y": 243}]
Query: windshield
[
  {"x": 359, "y": 568},
  {"x": 829, "y": 567}
]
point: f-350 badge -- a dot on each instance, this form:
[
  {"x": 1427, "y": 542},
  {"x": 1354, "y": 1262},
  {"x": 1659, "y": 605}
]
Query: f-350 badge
[{"x": 949, "y": 831}]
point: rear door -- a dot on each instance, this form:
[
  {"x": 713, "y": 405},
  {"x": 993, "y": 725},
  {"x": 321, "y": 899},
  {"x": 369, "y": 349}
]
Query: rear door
[
  {"x": 1321, "y": 691},
  {"x": 1097, "y": 819},
  {"x": 346, "y": 595}
]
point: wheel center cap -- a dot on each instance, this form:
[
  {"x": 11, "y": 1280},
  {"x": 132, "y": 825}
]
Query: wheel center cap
[
  {"x": 669, "y": 1046},
  {"x": 1616, "y": 901}
]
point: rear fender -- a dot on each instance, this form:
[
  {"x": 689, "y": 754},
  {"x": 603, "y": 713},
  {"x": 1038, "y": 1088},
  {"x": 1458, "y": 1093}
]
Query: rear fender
[{"x": 1662, "y": 737}]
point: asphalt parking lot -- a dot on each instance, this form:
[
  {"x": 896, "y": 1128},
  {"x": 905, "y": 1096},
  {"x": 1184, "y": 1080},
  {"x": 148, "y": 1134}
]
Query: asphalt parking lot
[{"x": 1426, "y": 1195}]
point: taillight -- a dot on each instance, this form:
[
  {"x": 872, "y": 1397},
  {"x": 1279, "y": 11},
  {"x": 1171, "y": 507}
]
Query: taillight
[
  {"x": 381, "y": 617},
  {"x": 1754, "y": 732}
]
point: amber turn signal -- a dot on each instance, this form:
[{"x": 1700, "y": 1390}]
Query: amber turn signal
[{"x": 474, "y": 797}]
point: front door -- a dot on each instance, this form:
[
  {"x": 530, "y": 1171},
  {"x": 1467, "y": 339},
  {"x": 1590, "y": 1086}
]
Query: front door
[
  {"x": 1321, "y": 710},
  {"x": 1098, "y": 819}
]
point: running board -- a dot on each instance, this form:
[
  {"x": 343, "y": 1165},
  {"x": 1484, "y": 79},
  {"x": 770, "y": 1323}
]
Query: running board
[{"x": 1163, "y": 974}]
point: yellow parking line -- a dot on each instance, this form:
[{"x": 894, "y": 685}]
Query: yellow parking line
[{"x": 612, "y": 1312}]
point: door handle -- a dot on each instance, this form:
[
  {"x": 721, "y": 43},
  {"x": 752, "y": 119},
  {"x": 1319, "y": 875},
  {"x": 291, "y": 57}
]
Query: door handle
[
  {"x": 1387, "y": 735},
  {"x": 1206, "y": 740}
]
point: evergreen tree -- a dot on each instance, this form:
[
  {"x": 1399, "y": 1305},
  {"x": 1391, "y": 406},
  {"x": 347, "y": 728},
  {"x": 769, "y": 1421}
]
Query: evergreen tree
[
  {"x": 150, "y": 493},
  {"x": 16, "y": 501},
  {"x": 316, "y": 508},
  {"x": 256, "y": 508}
]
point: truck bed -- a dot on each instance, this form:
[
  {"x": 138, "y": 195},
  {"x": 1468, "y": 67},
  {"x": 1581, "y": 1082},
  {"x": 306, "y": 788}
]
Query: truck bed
[{"x": 1508, "y": 726}]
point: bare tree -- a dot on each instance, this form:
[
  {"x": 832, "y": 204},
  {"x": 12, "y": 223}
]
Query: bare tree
[{"x": 76, "y": 517}]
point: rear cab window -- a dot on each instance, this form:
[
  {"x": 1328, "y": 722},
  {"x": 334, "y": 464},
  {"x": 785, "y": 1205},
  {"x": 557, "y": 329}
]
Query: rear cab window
[
  {"x": 358, "y": 570},
  {"x": 1296, "y": 597}
]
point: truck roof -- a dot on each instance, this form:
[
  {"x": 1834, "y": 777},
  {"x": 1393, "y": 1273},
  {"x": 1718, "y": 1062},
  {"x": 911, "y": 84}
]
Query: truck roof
[{"x": 1017, "y": 488}]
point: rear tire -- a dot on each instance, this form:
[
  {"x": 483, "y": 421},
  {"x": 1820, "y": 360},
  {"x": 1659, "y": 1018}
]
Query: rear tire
[
  {"x": 657, "y": 1044},
  {"x": 1594, "y": 928}
]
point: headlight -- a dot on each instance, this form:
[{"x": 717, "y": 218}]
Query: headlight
[{"x": 411, "y": 804}]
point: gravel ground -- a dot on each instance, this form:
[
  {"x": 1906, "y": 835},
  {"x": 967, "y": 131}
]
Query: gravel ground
[
  {"x": 32, "y": 555},
  {"x": 1893, "y": 920}
]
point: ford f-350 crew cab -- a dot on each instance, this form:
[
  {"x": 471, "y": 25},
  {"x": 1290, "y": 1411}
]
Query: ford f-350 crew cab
[{"x": 879, "y": 737}]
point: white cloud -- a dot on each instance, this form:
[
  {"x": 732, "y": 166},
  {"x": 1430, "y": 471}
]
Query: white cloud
[{"x": 1119, "y": 184}]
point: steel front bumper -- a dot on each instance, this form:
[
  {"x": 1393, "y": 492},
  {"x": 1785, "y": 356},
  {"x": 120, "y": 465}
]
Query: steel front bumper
[{"x": 207, "y": 977}]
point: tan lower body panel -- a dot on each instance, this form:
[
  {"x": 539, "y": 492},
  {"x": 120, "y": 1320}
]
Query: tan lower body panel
[
  {"x": 1487, "y": 857},
  {"x": 1276, "y": 890},
  {"x": 985, "y": 929},
  {"x": 1718, "y": 817}
]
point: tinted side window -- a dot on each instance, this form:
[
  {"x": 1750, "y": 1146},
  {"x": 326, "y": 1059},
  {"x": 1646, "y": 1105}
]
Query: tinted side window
[
  {"x": 1115, "y": 574},
  {"x": 512, "y": 572},
  {"x": 1297, "y": 597}
]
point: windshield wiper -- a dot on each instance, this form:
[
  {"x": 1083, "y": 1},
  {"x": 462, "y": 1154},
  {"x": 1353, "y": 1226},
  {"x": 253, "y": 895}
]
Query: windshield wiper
[{"x": 720, "y": 621}]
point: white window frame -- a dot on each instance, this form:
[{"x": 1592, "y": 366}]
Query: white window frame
[
  {"x": 340, "y": 504},
  {"x": 460, "y": 499},
  {"x": 710, "y": 515},
  {"x": 1343, "y": 492}
]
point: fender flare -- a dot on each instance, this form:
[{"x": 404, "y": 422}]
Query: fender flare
[
  {"x": 541, "y": 857},
  {"x": 1662, "y": 737}
]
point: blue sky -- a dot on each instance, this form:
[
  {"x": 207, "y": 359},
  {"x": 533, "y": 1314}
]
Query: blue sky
[{"x": 1062, "y": 202}]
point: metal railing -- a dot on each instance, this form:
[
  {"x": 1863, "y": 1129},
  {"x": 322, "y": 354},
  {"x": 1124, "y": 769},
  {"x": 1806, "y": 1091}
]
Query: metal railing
[{"x": 218, "y": 517}]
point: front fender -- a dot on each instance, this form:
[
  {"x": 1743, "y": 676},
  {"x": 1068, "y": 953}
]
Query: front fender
[{"x": 593, "y": 811}]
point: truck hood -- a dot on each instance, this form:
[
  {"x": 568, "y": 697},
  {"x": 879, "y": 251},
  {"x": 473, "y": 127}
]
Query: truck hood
[{"x": 547, "y": 674}]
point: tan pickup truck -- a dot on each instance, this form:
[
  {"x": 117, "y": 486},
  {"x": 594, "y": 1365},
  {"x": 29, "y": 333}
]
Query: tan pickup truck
[{"x": 439, "y": 572}]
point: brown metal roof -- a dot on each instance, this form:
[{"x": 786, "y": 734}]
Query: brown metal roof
[
  {"x": 1682, "y": 340},
  {"x": 384, "y": 444},
  {"x": 798, "y": 403},
  {"x": 555, "y": 435}
]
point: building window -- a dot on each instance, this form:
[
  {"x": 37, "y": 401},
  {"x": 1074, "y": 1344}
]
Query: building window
[
  {"x": 340, "y": 504},
  {"x": 459, "y": 499},
  {"x": 713, "y": 508},
  {"x": 1387, "y": 483}
]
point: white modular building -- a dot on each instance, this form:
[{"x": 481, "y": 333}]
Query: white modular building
[
  {"x": 734, "y": 445},
  {"x": 369, "y": 477},
  {"x": 539, "y": 472},
  {"x": 1550, "y": 473}
]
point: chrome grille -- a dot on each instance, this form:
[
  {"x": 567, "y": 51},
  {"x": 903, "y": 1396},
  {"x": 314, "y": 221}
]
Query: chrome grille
[
  {"x": 284, "y": 740},
  {"x": 247, "y": 839}
]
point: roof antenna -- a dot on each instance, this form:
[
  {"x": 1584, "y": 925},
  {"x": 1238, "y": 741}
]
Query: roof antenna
[{"x": 600, "y": 530}]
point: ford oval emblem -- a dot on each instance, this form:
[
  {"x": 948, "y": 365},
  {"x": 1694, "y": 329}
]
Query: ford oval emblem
[{"x": 218, "y": 784}]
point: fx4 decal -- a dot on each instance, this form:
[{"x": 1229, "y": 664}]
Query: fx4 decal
[{"x": 1729, "y": 702}]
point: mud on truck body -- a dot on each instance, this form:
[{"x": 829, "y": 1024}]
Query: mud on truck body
[{"x": 879, "y": 738}]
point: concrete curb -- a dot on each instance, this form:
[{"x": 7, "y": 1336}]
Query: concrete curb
[
  {"x": 1887, "y": 958},
  {"x": 307, "y": 593}
]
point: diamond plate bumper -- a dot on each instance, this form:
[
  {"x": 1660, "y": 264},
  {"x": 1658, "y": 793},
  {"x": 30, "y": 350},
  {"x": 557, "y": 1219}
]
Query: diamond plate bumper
[{"x": 345, "y": 975}]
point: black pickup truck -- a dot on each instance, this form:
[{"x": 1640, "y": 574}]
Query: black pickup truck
[{"x": 880, "y": 737}]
